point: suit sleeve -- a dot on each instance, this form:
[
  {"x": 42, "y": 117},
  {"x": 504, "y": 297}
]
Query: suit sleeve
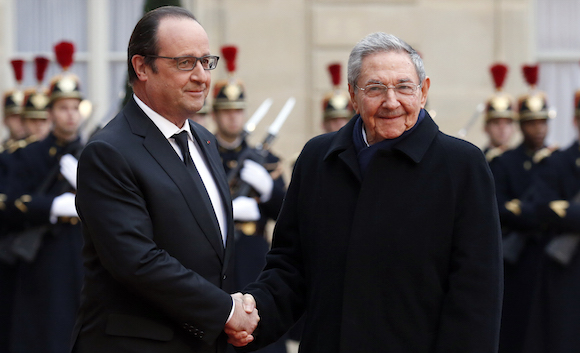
[
  {"x": 118, "y": 226},
  {"x": 470, "y": 316}
]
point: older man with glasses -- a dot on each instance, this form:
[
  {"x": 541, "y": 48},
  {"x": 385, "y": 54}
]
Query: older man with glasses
[{"x": 389, "y": 236}]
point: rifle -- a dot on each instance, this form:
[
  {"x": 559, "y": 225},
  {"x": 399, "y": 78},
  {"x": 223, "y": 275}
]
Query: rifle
[
  {"x": 478, "y": 110},
  {"x": 259, "y": 153}
]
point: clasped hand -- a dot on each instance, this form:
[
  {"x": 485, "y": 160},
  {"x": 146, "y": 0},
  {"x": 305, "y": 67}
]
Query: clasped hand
[{"x": 244, "y": 320}]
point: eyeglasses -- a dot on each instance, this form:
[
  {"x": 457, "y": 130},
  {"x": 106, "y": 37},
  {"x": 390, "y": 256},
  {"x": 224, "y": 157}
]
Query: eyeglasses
[
  {"x": 187, "y": 63},
  {"x": 403, "y": 89}
]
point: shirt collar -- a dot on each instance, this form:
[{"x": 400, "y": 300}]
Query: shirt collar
[{"x": 167, "y": 128}]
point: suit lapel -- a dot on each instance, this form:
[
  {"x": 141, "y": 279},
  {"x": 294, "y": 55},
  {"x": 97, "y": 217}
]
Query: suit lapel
[
  {"x": 217, "y": 170},
  {"x": 193, "y": 191}
]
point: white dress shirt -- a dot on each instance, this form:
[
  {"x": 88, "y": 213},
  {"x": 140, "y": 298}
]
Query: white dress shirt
[{"x": 168, "y": 129}]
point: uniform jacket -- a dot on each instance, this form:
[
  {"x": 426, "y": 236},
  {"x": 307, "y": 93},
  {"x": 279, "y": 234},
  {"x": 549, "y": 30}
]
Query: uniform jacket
[
  {"x": 156, "y": 266},
  {"x": 46, "y": 291},
  {"x": 555, "y": 317},
  {"x": 404, "y": 259}
]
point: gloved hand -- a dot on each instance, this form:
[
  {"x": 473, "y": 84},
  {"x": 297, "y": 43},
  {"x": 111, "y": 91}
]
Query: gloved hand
[
  {"x": 63, "y": 206},
  {"x": 245, "y": 209},
  {"x": 259, "y": 178},
  {"x": 68, "y": 169}
]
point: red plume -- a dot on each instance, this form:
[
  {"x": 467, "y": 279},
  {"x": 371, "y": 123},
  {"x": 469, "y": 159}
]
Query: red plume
[
  {"x": 499, "y": 73},
  {"x": 531, "y": 74},
  {"x": 41, "y": 65},
  {"x": 17, "y": 65},
  {"x": 229, "y": 52},
  {"x": 334, "y": 70},
  {"x": 64, "y": 52}
]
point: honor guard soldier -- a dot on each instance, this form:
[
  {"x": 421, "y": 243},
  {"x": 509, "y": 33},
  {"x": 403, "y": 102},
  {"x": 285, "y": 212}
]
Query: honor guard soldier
[
  {"x": 250, "y": 211},
  {"x": 336, "y": 105},
  {"x": 516, "y": 172},
  {"x": 556, "y": 314},
  {"x": 499, "y": 115},
  {"x": 12, "y": 108},
  {"x": 34, "y": 114},
  {"x": 44, "y": 224}
]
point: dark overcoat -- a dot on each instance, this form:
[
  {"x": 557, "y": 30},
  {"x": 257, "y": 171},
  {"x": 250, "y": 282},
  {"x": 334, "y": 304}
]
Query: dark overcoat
[{"x": 406, "y": 258}]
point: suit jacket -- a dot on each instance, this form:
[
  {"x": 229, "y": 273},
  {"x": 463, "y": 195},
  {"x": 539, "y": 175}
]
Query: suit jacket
[
  {"x": 156, "y": 265},
  {"x": 405, "y": 258}
]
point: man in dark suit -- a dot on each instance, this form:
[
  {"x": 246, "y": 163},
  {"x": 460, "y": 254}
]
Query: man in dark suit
[
  {"x": 155, "y": 207},
  {"x": 389, "y": 235}
]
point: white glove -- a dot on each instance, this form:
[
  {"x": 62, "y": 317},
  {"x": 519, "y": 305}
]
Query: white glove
[
  {"x": 68, "y": 169},
  {"x": 245, "y": 209},
  {"x": 63, "y": 206},
  {"x": 259, "y": 178}
]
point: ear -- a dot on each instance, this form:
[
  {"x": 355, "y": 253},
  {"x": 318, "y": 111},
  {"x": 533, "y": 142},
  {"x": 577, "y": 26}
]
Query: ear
[
  {"x": 138, "y": 62},
  {"x": 425, "y": 90},
  {"x": 352, "y": 98}
]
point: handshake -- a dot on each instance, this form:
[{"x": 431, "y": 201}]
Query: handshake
[{"x": 244, "y": 320}]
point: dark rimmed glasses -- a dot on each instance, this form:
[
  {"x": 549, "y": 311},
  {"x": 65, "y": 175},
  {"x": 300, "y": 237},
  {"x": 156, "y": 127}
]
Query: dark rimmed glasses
[{"x": 187, "y": 63}]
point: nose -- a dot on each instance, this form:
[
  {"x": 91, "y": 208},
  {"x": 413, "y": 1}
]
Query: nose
[
  {"x": 391, "y": 101},
  {"x": 198, "y": 74}
]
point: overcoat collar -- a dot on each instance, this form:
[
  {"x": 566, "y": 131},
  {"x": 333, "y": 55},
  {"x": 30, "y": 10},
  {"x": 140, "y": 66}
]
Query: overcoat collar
[
  {"x": 414, "y": 146},
  {"x": 198, "y": 202}
]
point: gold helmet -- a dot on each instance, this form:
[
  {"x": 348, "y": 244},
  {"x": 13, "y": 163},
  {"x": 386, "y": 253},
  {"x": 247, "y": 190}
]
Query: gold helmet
[
  {"x": 230, "y": 93},
  {"x": 65, "y": 84},
  {"x": 501, "y": 104},
  {"x": 533, "y": 105},
  {"x": 12, "y": 102},
  {"x": 336, "y": 104},
  {"x": 36, "y": 100}
]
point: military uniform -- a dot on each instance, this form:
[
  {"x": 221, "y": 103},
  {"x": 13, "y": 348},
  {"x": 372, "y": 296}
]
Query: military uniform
[
  {"x": 556, "y": 312},
  {"x": 12, "y": 106},
  {"x": 251, "y": 244},
  {"x": 516, "y": 174},
  {"x": 49, "y": 268}
]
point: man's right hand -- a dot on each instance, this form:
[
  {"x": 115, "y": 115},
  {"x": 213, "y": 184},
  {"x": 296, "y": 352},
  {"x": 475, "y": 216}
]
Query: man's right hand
[{"x": 244, "y": 320}]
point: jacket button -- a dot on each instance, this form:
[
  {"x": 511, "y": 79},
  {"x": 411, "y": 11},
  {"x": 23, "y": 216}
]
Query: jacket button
[{"x": 224, "y": 278}]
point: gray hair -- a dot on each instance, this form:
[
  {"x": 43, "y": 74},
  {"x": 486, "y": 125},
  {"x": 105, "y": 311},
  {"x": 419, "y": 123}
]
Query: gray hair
[{"x": 381, "y": 42}]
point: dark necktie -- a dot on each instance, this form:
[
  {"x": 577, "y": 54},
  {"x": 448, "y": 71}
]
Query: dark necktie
[{"x": 181, "y": 140}]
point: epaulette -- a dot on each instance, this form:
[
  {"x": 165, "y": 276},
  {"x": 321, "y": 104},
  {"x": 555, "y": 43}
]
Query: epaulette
[
  {"x": 493, "y": 153},
  {"x": 514, "y": 206},
  {"x": 544, "y": 153},
  {"x": 16, "y": 145}
]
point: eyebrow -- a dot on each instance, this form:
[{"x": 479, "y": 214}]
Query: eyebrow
[{"x": 402, "y": 80}]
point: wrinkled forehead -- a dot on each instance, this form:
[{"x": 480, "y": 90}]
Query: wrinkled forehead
[{"x": 394, "y": 66}]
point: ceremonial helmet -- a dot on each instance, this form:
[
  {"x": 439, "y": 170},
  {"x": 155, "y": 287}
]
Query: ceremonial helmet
[
  {"x": 533, "y": 105},
  {"x": 501, "y": 104},
  {"x": 65, "y": 84},
  {"x": 12, "y": 102},
  {"x": 336, "y": 103},
  {"x": 229, "y": 93},
  {"x": 36, "y": 99}
]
